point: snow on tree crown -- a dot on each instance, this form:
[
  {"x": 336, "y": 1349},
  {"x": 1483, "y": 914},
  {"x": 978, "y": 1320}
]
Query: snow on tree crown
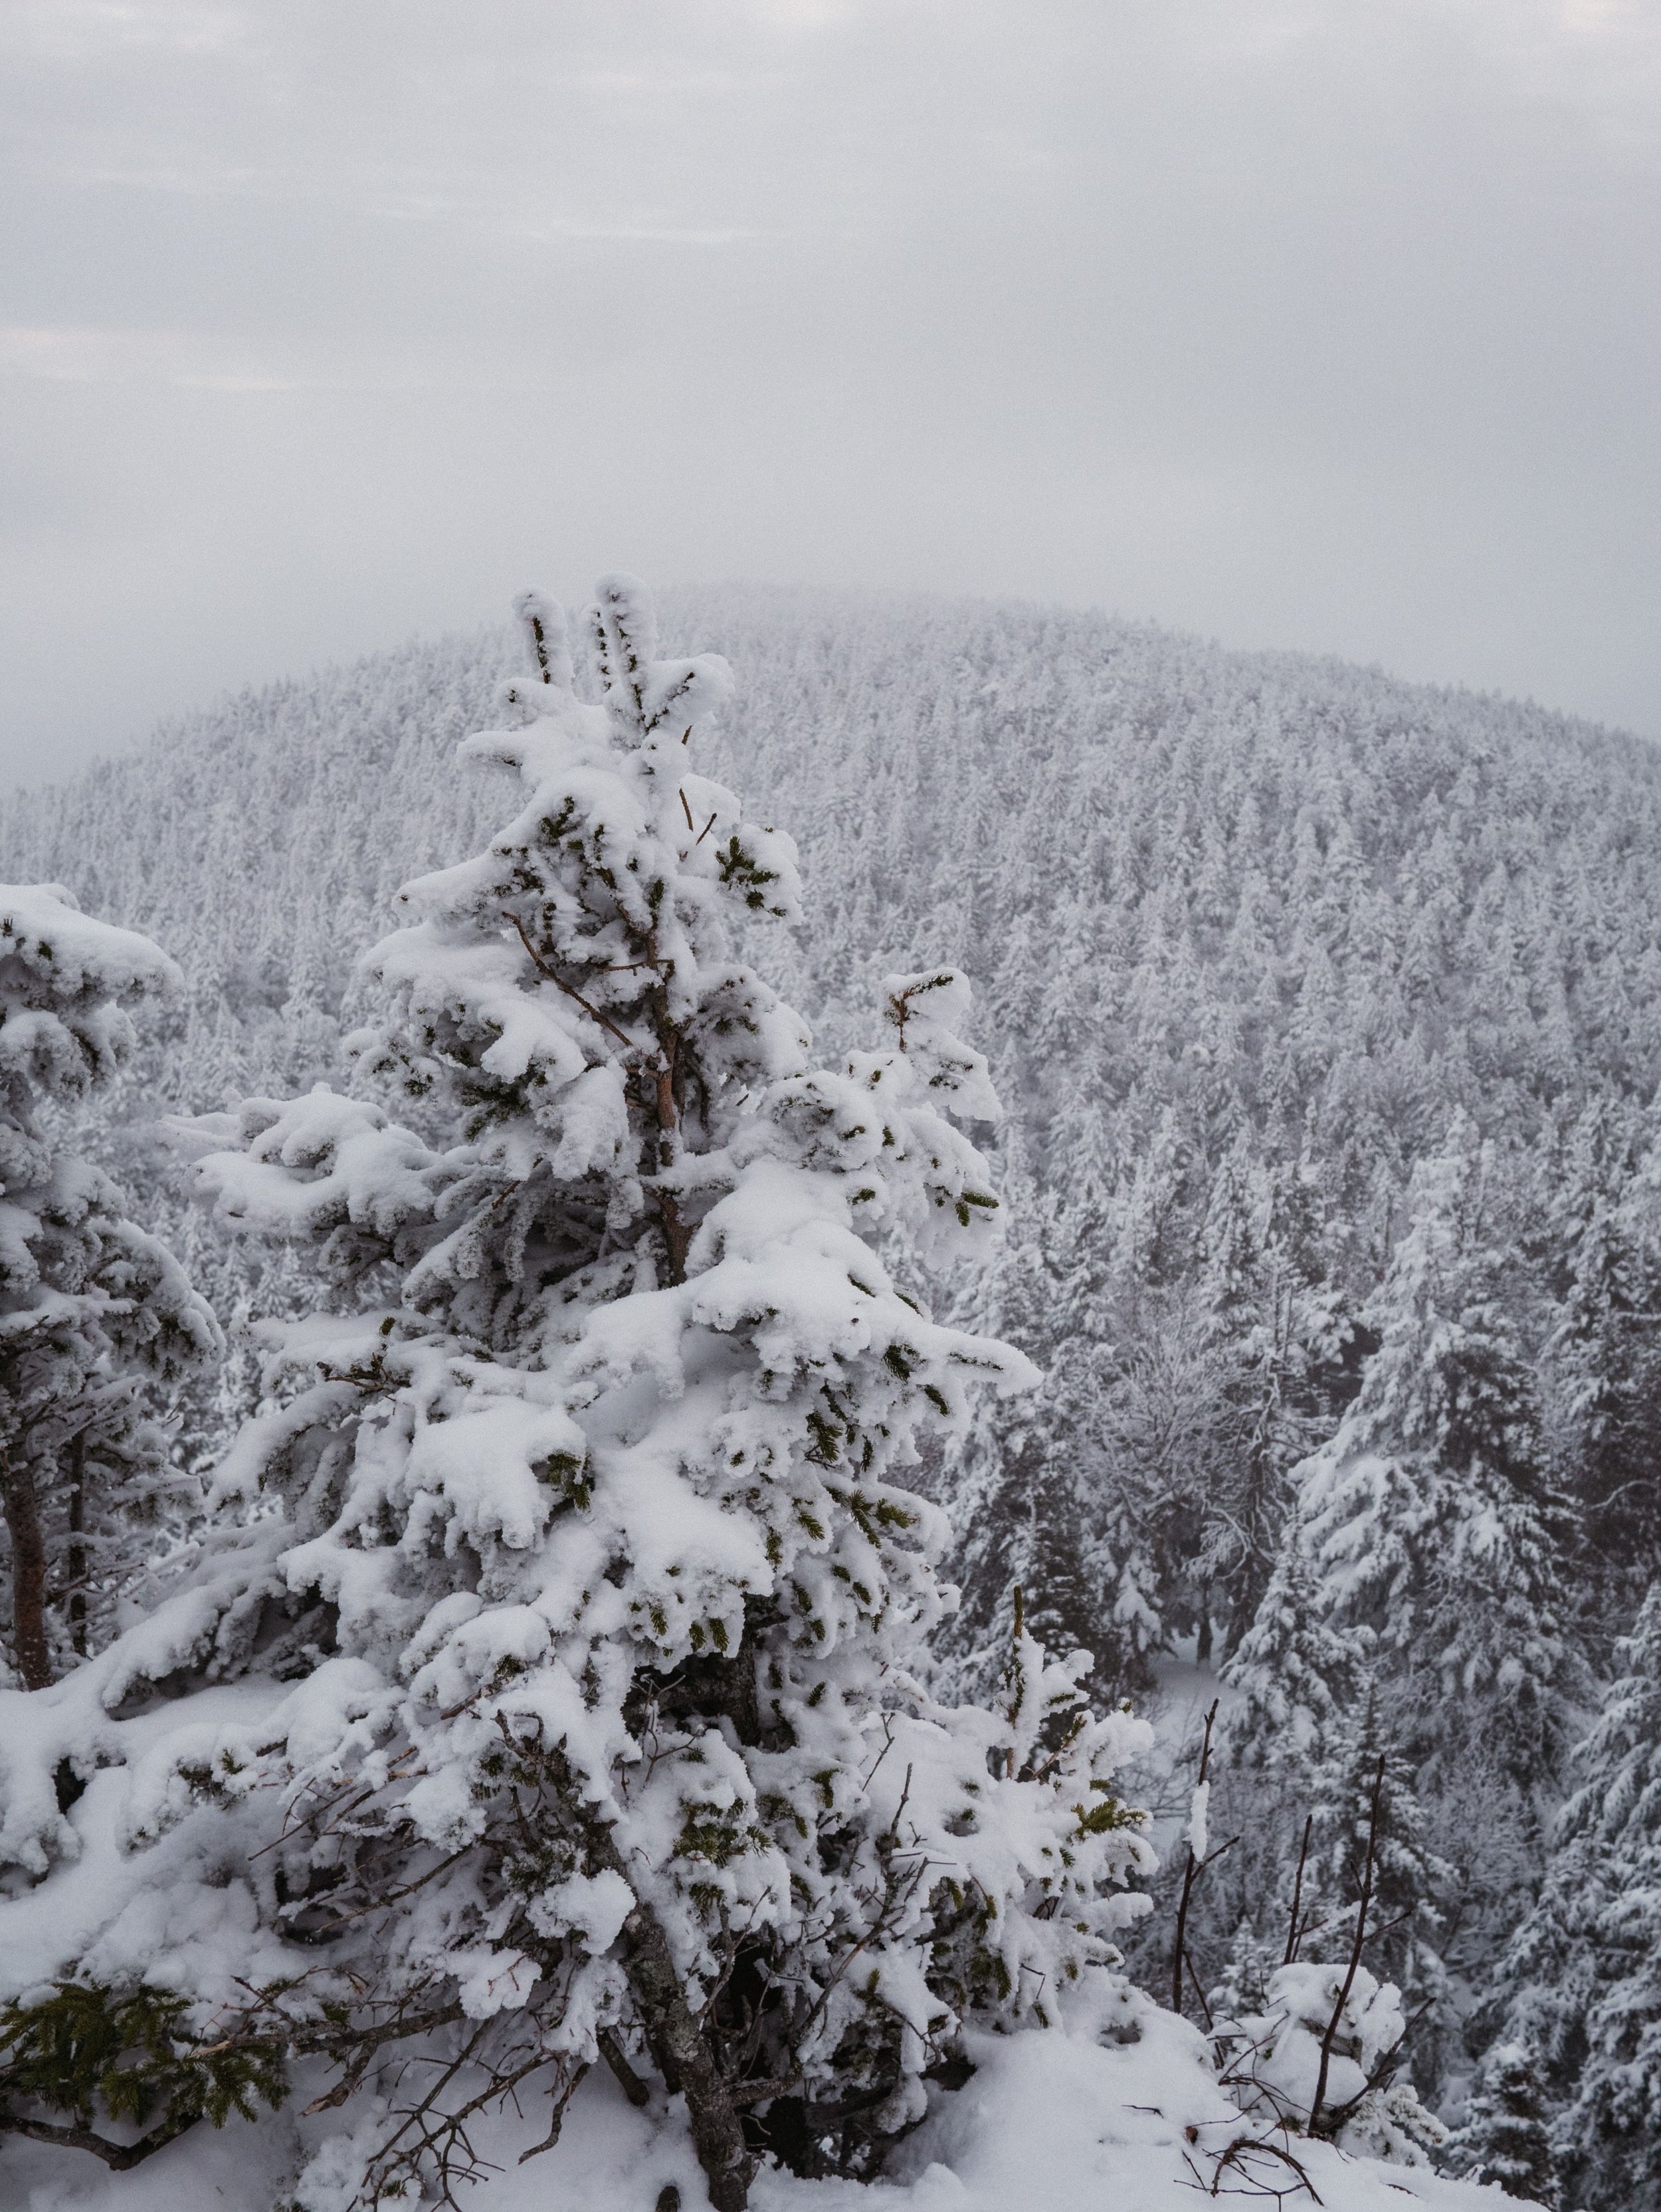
[
  {"x": 572, "y": 992},
  {"x": 65, "y": 983}
]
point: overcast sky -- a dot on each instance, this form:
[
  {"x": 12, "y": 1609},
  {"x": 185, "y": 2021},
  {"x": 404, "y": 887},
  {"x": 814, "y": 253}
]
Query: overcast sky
[{"x": 1320, "y": 323}]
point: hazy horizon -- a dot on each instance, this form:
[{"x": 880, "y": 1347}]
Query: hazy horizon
[{"x": 303, "y": 672}]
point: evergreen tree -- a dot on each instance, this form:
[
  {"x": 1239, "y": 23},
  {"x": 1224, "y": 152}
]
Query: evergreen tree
[
  {"x": 1369, "y": 1832},
  {"x": 1428, "y": 1515},
  {"x": 1603, "y": 1366},
  {"x": 1044, "y": 1501},
  {"x": 1580, "y": 1982},
  {"x": 1295, "y": 1673},
  {"x": 97, "y": 1321},
  {"x": 1505, "y": 2138},
  {"x": 1014, "y": 1492},
  {"x": 609, "y": 1746},
  {"x": 1278, "y": 1332},
  {"x": 1247, "y": 1971}
]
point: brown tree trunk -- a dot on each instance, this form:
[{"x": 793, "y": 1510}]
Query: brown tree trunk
[
  {"x": 677, "y": 1237},
  {"x": 28, "y": 1575},
  {"x": 683, "y": 2055},
  {"x": 77, "y": 1607},
  {"x": 685, "y": 2059}
]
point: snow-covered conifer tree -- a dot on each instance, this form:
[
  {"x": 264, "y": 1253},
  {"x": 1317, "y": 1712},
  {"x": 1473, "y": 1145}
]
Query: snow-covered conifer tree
[
  {"x": 1580, "y": 1984},
  {"x": 97, "y": 1320},
  {"x": 1505, "y": 2138},
  {"x": 589, "y": 1495},
  {"x": 1278, "y": 1332},
  {"x": 1426, "y": 1514},
  {"x": 1296, "y": 1672},
  {"x": 1603, "y": 1366},
  {"x": 1040, "y": 1503},
  {"x": 1369, "y": 1835}
]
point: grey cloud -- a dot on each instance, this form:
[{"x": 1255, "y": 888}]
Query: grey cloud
[{"x": 1301, "y": 324}]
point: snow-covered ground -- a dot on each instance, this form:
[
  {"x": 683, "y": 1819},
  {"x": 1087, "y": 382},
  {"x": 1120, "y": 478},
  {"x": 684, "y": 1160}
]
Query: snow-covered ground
[
  {"x": 1120, "y": 2112},
  {"x": 1049, "y": 2119}
]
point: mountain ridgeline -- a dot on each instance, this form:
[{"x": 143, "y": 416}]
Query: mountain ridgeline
[{"x": 1202, "y": 893}]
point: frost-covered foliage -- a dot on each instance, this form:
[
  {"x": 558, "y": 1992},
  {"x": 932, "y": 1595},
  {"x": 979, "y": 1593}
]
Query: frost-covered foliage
[
  {"x": 1505, "y": 2138},
  {"x": 1319, "y": 2059},
  {"x": 1251, "y": 934},
  {"x": 1579, "y": 1986},
  {"x": 1428, "y": 1514},
  {"x": 97, "y": 1320},
  {"x": 571, "y": 1628}
]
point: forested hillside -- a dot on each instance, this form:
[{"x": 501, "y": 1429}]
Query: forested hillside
[
  {"x": 1217, "y": 888},
  {"x": 1326, "y": 1012}
]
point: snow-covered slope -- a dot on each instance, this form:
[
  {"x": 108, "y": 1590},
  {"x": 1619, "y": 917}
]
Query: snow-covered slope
[
  {"x": 1046, "y": 2121},
  {"x": 1233, "y": 885}
]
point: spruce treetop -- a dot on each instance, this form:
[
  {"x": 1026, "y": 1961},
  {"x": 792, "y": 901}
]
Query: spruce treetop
[{"x": 584, "y": 1501}]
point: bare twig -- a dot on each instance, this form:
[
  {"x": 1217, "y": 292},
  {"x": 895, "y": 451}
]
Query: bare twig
[
  {"x": 560, "y": 983},
  {"x": 1259, "y": 2146},
  {"x": 1191, "y": 1872},
  {"x": 627, "y": 2080},
  {"x": 1294, "y": 1935},
  {"x": 560, "y": 2104},
  {"x": 1355, "y": 1948}
]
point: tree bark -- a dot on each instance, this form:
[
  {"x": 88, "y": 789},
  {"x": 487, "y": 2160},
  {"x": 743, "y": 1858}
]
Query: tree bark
[
  {"x": 677, "y": 2043},
  {"x": 77, "y": 1607},
  {"x": 683, "y": 2057},
  {"x": 677, "y": 1237},
  {"x": 121, "y": 2158},
  {"x": 28, "y": 1575}
]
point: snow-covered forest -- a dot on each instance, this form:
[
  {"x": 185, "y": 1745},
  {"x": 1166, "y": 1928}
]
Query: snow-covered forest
[{"x": 1309, "y": 1044}]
